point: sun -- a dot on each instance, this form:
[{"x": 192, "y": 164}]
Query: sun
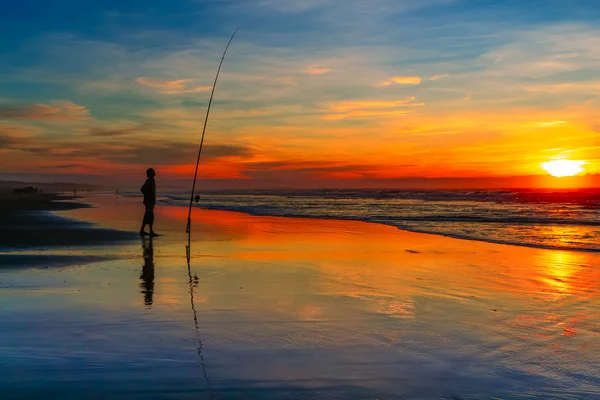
[{"x": 560, "y": 168}]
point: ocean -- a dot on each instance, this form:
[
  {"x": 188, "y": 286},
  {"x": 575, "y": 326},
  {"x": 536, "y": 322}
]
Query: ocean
[{"x": 566, "y": 220}]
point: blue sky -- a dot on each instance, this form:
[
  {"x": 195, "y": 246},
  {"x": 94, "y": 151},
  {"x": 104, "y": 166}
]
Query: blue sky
[{"x": 126, "y": 83}]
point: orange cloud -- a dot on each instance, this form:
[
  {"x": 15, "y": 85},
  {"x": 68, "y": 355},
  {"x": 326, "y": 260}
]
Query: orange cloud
[
  {"x": 173, "y": 87},
  {"x": 401, "y": 80},
  {"x": 59, "y": 110},
  {"x": 317, "y": 70},
  {"x": 406, "y": 80}
]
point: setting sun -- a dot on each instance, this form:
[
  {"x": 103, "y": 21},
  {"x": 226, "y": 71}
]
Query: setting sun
[{"x": 560, "y": 168}]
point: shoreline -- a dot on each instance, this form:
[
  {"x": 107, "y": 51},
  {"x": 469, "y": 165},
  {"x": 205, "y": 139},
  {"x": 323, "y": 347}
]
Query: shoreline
[
  {"x": 40, "y": 214},
  {"x": 404, "y": 229}
]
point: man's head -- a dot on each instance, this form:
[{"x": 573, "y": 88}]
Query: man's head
[{"x": 150, "y": 173}]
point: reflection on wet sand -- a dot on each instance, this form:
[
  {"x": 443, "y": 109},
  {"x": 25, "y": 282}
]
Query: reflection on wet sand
[
  {"x": 147, "y": 276},
  {"x": 193, "y": 283},
  {"x": 281, "y": 304}
]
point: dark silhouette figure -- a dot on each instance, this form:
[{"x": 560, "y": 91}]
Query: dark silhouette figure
[
  {"x": 197, "y": 198},
  {"x": 147, "y": 276},
  {"x": 149, "y": 192}
]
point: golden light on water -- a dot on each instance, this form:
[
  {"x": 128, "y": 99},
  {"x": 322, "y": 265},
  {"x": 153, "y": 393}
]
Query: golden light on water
[{"x": 560, "y": 168}]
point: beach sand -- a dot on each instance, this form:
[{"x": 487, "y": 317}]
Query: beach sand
[{"x": 286, "y": 308}]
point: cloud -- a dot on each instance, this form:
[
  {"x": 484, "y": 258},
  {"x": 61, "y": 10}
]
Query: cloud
[
  {"x": 401, "y": 80},
  {"x": 406, "y": 80},
  {"x": 552, "y": 52},
  {"x": 65, "y": 166},
  {"x": 171, "y": 153},
  {"x": 368, "y": 104},
  {"x": 118, "y": 131},
  {"x": 317, "y": 70},
  {"x": 592, "y": 87},
  {"x": 226, "y": 150},
  {"x": 364, "y": 114},
  {"x": 59, "y": 111},
  {"x": 438, "y": 77},
  {"x": 173, "y": 87},
  {"x": 550, "y": 123},
  {"x": 5, "y": 140},
  {"x": 370, "y": 108}
]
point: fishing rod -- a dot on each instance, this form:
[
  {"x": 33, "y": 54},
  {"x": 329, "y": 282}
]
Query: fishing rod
[{"x": 189, "y": 219}]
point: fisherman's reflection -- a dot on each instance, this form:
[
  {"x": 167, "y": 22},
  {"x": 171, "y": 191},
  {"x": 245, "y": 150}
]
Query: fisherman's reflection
[{"x": 147, "y": 276}]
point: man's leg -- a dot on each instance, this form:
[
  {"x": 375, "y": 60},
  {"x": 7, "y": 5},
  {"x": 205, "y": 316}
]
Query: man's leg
[
  {"x": 150, "y": 221},
  {"x": 147, "y": 220}
]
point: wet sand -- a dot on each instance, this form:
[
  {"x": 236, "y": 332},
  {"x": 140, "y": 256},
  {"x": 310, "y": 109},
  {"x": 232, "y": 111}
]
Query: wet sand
[
  {"x": 287, "y": 308},
  {"x": 27, "y": 222}
]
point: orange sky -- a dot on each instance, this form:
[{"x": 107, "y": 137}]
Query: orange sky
[{"x": 323, "y": 108}]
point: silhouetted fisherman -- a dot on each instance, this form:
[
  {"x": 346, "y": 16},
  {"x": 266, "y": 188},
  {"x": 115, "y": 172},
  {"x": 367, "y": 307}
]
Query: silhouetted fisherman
[
  {"x": 149, "y": 192},
  {"x": 197, "y": 198},
  {"x": 147, "y": 276}
]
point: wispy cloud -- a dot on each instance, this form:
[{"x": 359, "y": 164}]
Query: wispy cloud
[
  {"x": 438, "y": 77},
  {"x": 173, "y": 87},
  {"x": 119, "y": 130},
  {"x": 370, "y": 104},
  {"x": 592, "y": 87},
  {"x": 550, "y": 123},
  {"x": 367, "y": 114},
  {"x": 317, "y": 70},
  {"x": 58, "y": 110},
  {"x": 370, "y": 108},
  {"x": 401, "y": 80}
]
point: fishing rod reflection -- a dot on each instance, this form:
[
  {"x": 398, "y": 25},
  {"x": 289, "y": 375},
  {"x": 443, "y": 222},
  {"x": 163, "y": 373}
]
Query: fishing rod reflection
[
  {"x": 147, "y": 276},
  {"x": 193, "y": 284}
]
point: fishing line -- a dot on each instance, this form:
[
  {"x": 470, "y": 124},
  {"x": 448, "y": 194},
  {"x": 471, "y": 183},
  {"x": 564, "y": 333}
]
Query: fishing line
[{"x": 189, "y": 219}]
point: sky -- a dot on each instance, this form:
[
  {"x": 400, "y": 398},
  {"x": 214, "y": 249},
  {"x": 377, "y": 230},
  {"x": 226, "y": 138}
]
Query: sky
[{"x": 312, "y": 93}]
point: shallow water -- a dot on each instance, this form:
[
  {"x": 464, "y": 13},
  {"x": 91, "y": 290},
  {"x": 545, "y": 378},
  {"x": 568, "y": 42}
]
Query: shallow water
[
  {"x": 293, "y": 308},
  {"x": 558, "y": 220}
]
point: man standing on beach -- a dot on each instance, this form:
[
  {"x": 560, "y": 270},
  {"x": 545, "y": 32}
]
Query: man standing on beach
[{"x": 149, "y": 192}]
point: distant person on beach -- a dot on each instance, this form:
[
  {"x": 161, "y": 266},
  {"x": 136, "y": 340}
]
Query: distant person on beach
[{"x": 149, "y": 192}]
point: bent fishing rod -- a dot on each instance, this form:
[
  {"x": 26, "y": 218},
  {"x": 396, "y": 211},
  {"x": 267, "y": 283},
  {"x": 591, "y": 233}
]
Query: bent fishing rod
[{"x": 189, "y": 219}]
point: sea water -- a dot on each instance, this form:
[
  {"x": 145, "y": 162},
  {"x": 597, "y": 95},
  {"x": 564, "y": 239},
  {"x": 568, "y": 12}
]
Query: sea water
[{"x": 548, "y": 219}]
